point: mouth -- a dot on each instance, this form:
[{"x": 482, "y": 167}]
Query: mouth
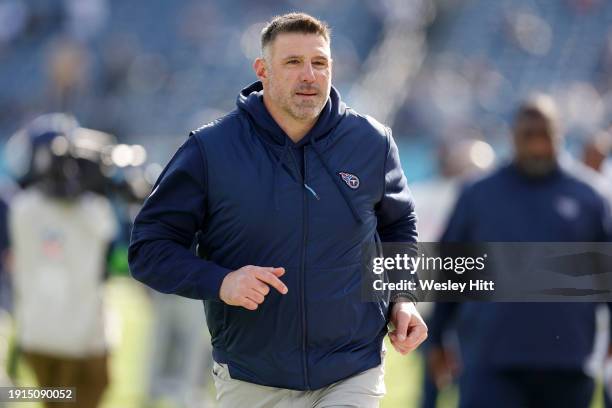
[{"x": 307, "y": 93}]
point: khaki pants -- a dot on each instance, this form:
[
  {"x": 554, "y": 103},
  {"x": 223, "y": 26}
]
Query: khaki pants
[
  {"x": 364, "y": 390},
  {"x": 89, "y": 375}
]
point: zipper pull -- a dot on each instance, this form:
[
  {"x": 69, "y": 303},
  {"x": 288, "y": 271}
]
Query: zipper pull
[{"x": 314, "y": 193}]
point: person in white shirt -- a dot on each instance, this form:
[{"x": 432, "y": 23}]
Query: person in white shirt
[{"x": 60, "y": 235}]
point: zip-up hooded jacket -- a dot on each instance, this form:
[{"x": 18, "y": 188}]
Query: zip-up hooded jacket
[{"x": 256, "y": 198}]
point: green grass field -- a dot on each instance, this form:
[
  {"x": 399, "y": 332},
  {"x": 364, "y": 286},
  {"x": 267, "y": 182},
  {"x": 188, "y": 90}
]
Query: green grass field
[{"x": 130, "y": 328}]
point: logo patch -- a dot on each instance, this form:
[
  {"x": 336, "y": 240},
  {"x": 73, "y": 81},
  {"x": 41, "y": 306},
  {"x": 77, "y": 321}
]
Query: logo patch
[
  {"x": 568, "y": 207},
  {"x": 351, "y": 180}
]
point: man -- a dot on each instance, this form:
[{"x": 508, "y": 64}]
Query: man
[
  {"x": 5, "y": 296},
  {"x": 285, "y": 191},
  {"x": 524, "y": 354},
  {"x": 179, "y": 359},
  {"x": 458, "y": 160},
  {"x": 595, "y": 155},
  {"x": 60, "y": 234}
]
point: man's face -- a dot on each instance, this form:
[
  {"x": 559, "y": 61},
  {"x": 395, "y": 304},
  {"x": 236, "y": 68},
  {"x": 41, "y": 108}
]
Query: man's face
[
  {"x": 296, "y": 74},
  {"x": 536, "y": 145}
]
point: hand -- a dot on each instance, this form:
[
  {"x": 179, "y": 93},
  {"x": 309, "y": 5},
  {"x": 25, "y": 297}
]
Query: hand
[
  {"x": 409, "y": 328},
  {"x": 443, "y": 366},
  {"x": 249, "y": 285}
]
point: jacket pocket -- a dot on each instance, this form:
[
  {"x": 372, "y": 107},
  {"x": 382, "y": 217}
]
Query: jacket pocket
[{"x": 336, "y": 314}]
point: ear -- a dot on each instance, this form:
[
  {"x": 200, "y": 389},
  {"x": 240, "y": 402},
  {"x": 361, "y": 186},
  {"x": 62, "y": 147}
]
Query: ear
[{"x": 259, "y": 66}]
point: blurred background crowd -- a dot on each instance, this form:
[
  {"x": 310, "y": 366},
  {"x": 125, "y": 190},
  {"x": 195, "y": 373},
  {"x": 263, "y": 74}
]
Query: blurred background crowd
[
  {"x": 434, "y": 70},
  {"x": 137, "y": 76}
]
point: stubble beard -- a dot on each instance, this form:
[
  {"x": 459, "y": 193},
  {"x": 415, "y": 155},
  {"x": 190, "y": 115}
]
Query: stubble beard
[
  {"x": 305, "y": 110},
  {"x": 302, "y": 111}
]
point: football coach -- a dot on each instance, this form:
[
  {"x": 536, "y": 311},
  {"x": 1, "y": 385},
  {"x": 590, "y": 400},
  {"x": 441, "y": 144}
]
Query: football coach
[{"x": 283, "y": 192}]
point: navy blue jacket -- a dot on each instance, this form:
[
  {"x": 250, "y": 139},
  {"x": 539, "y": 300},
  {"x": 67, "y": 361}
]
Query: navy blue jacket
[
  {"x": 507, "y": 206},
  {"x": 238, "y": 182}
]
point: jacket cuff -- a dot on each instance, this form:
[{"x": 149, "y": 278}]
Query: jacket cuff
[
  {"x": 406, "y": 297},
  {"x": 212, "y": 278}
]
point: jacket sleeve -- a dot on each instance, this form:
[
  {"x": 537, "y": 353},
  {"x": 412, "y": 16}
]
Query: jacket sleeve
[
  {"x": 159, "y": 253},
  {"x": 395, "y": 211}
]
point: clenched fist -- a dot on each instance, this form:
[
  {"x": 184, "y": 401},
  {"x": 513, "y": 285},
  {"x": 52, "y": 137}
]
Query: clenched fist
[
  {"x": 409, "y": 328},
  {"x": 249, "y": 285}
]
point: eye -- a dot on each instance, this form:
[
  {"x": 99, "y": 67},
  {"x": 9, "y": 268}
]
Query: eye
[
  {"x": 293, "y": 62},
  {"x": 320, "y": 64}
]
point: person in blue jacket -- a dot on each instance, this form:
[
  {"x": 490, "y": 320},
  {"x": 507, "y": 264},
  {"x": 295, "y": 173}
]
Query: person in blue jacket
[
  {"x": 5, "y": 281},
  {"x": 524, "y": 354},
  {"x": 283, "y": 192}
]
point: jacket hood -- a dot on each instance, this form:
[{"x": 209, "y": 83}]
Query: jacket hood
[{"x": 250, "y": 100}]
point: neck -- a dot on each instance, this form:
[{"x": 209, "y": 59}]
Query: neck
[
  {"x": 295, "y": 129},
  {"x": 537, "y": 170}
]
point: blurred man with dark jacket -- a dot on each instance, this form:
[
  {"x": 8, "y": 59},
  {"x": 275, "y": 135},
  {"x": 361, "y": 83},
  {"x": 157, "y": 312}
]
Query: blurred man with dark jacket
[{"x": 524, "y": 354}]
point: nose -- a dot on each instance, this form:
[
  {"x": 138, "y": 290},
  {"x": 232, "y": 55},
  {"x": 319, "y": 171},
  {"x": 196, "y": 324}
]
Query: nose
[
  {"x": 541, "y": 144},
  {"x": 308, "y": 74}
]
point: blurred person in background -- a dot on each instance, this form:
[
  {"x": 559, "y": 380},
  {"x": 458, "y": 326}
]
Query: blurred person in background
[
  {"x": 6, "y": 304},
  {"x": 60, "y": 235},
  {"x": 180, "y": 357},
  {"x": 292, "y": 181},
  {"x": 68, "y": 66},
  {"x": 596, "y": 155},
  {"x": 458, "y": 160},
  {"x": 524, "y": 354}
]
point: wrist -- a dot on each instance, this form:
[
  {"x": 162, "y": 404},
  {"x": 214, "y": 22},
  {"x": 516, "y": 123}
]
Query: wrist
[
  {"x": 407, "y": 306},
  {"x": 405, "y": 298},
  {"x": 224, "y": 288}
]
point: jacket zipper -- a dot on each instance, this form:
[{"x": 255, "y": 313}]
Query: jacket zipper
[{"x": 303, "y": 278}]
